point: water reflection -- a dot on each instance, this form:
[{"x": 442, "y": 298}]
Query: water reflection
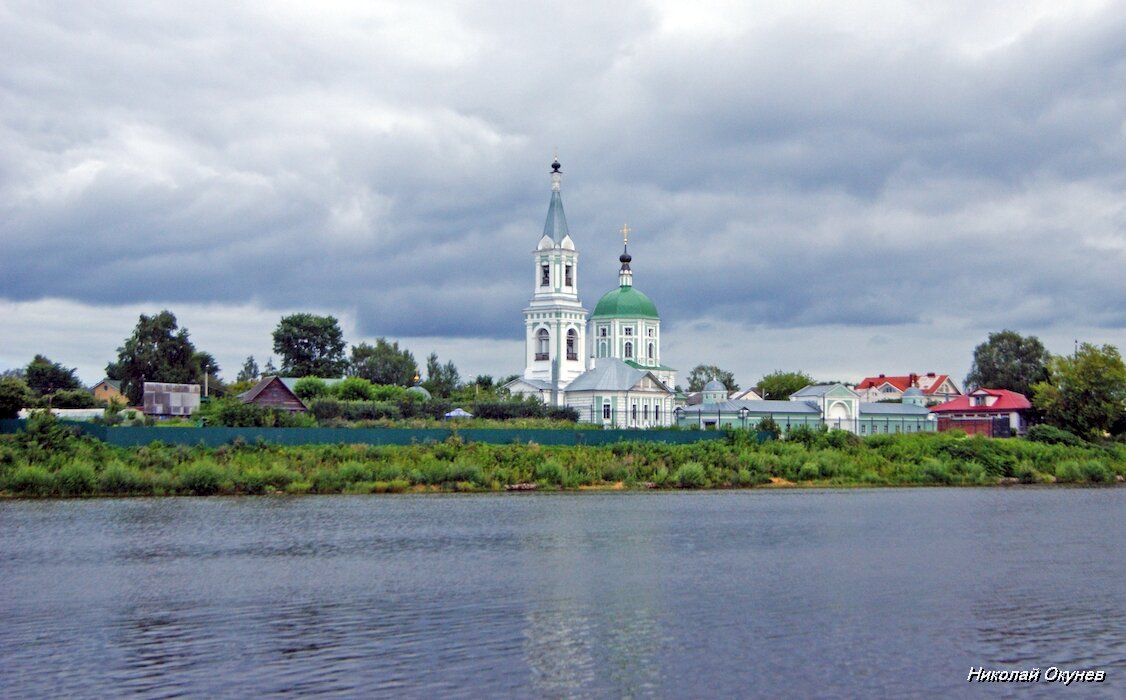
[{"x": 888, "y": 593}]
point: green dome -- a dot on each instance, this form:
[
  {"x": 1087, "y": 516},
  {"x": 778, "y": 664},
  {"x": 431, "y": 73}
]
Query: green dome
[{"x": 625, "y": 302}]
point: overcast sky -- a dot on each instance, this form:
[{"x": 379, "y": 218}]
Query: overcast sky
[{"x": 841, "y": 188}]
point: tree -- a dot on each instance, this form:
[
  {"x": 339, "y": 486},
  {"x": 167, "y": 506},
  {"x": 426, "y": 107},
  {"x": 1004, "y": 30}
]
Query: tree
[
  {"x": 14, "y": 395},
  {"x": 156, "y": 352},
  {"x": 441, "y": 380},
  {"x": 269, "y": 370},
  {"x": 249, "y": 371},
  {"x": 778, "y": 385},
  {"x": 310, "y": 346},
  {"x": 702, "y": 374},
  {"x": 1085, "y": 393},
  {"x": 1007, "y": 360},
  {"x": 383, "y": 363},
  {"x": 45, "y": 377}
]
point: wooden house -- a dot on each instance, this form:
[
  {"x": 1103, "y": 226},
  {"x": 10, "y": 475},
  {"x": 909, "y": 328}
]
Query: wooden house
[{"x": 272, "y": 392}]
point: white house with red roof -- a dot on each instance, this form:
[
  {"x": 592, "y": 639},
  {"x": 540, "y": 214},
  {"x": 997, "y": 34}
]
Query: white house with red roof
[
  {"x": 936, "y": 388},
  {"x": 978, "y": 411}
]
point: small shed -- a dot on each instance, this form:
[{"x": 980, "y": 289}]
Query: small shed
[{"x": 272, "y": 392}]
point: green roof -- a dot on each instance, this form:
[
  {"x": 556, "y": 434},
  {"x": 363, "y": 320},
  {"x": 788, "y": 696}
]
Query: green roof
[{"x": 625, "y": 302}]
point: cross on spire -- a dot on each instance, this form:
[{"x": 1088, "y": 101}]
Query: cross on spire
[{"x": 625, "y": 234}]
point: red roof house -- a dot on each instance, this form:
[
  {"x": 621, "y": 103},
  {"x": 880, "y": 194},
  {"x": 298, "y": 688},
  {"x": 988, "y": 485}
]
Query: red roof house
[
  {"x": 937, "y": 388},
  {"x": 979, "y": 412}
]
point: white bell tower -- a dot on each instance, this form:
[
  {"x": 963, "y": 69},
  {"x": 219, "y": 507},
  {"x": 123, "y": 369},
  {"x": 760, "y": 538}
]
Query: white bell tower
[{"x": 555, "y": 319}]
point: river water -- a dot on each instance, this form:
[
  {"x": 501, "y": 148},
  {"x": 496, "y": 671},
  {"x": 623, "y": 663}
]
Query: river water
[{"x": 772, "y": 594}]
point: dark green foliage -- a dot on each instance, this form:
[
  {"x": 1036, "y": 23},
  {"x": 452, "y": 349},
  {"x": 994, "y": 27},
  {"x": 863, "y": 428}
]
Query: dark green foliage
[
  {"x": 31, "y": 481},
  {"x": 353, "y": 389},
  {"x": 769, "y": 425},
  {"x": 14, "y": 395},
  {"x": 120, "y": 480},
  {"x": 441, "y": 380},
  {"x": 702, "y": 374},
  {"x": 1084, "y": 393},
  {"x": 73, "y": 398},
  {"x": 691, "y": 475},
  {"x": 1007, "y": 360},
  {"x": 778, "y": 385},
  {"x": 233, "y": 413},
  {"x": 383, "y": 363},
  {"x": 76, "y": 480},
  {"x": 200, "y": 479},
  {"x": 45, "y": 377},
  {"x": 309, "y": 388},
  {"x": 1051, "y": 435},
  {"x": 310, "y": 346},
  {"x": 249, "y": 371},
  {"x": 49, "y": 460},
  {"x": 158, "y": 351}
]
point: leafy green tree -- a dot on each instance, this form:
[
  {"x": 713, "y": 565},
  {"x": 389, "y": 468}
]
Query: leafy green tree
[
  {"x": 308, "y": 388},
  {"x": 778, "y": 385},
  {"x": 702, "y": 374},
  {"x": 310, "y": 346},
  {"x": 158, "y": 351},
  {"x": 441, "y": 380},
  {"x": 353, "y": 389},
  {"x": 1008, "y": 360},
  {"x": 45, "y": 377},
  {"x": 73, "y": 398},
  {"x": 1085, "y": 393},
  {"x": 249, "y": 371},
  {"x": 383, "y": 363},
  {"x": 14, "y": 395}
]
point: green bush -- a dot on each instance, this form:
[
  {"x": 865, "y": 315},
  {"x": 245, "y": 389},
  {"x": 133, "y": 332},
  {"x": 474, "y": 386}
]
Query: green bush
[
  {"x": 1051, "y": 435},
  {"x": 76, "y": 480},
  {"x": 201, "y": 479},
  {"x": 120, "y": 480},
  {"x": 353, "y": 389},
  {"x": 691, "y": 475},
  {"x": 31, "y": 481},
  {"x": 309, "y": 388}
]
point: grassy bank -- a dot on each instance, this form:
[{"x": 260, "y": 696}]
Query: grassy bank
[{"x": 49, "y": 461}]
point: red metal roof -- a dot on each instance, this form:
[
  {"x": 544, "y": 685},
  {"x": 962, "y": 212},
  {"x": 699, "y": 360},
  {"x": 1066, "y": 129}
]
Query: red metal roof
[
  {"x": 1007, "y": 401},
  {"x": 928, "y": 383}
]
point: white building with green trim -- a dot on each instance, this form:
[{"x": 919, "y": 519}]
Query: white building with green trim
[
  {"x": 615, "y": 377},
  {"x": 832, "y": 405}
]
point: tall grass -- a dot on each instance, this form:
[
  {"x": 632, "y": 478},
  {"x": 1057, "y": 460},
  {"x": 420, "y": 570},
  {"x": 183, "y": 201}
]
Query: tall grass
[{"x": 52, "y": 463}]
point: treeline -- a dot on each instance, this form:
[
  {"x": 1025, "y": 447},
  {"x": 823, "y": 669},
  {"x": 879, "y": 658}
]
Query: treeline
[{"x": 48, "y": 460}]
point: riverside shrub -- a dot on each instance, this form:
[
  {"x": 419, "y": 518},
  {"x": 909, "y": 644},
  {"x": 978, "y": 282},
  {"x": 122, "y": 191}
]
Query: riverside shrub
[
  {"x": 76, "y": 480},
  {"x": 691, "y": 475}
]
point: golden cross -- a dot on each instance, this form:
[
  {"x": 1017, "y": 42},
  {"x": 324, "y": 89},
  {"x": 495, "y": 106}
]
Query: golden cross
[{"x": 625, "y": 234}]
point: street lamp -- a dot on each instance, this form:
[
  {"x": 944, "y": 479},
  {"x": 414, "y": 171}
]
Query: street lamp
[{"x": 743, "y": 415}]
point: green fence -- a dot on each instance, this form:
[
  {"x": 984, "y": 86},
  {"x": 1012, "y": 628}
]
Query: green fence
[{"x": 215, "y": 436}]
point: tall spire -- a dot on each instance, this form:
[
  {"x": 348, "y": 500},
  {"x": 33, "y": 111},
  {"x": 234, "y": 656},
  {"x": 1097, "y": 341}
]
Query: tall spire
[
  {"x": 625, "y": 275},
  {"x": 556, "y": 225}
]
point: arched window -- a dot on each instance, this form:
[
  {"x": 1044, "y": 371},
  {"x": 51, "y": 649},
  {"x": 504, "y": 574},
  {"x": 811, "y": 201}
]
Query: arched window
[
  {"x": 543, "y": 344},
  {"x": 650, "y": 351},
  {"x": 629, "y": 350},
  {"x": 572, "y": 345}
]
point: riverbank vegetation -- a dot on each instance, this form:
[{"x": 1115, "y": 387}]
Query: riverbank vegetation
[{"x": 49, "y": 460}]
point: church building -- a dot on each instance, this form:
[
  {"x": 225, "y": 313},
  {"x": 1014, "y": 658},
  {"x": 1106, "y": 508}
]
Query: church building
[{"x": 607, "y": 366}]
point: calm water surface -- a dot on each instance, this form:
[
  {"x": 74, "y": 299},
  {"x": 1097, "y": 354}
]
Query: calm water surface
[{"x": 858, "y": 593}]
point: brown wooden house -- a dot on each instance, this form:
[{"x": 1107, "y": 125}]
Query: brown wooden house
[{"x": 271, "y": 392}]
